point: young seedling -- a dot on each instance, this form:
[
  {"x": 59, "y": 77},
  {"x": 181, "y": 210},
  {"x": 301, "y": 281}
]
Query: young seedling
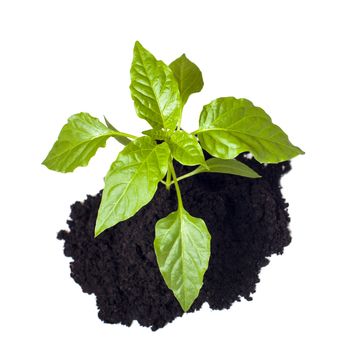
[{"x": 227, "y": 127}]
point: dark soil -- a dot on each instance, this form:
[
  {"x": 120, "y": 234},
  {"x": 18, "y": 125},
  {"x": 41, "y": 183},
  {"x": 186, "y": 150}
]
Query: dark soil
[{"x": 247, "y": 219}]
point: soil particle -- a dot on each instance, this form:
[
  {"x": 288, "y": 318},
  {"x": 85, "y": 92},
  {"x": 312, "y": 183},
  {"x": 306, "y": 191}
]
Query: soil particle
[{"x": 248, "y": 222}]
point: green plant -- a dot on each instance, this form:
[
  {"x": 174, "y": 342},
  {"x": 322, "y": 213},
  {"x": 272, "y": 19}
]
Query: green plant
[{"x": 227, "y": 127}]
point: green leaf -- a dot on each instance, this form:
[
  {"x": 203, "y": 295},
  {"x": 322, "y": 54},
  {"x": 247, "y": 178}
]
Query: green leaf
[
  {"x": 226, "y": 166},
  {"x": 182, "y": 246},
  {"x": 122, "y": 139},
  {"x": 188, "y": 76},
  {"x": 156, "y": 134},
  {"x": 77, "y": 143},
  {"x": 154, "y": 90},
  {"x": 185, "y": 148},
  {"x": 131, "y": 181},
  {"x": 230, "y": 126}
]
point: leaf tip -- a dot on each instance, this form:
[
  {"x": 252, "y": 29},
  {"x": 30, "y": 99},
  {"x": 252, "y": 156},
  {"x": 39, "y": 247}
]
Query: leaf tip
[
  {"x": 98, "y": 225},
  {"x": 255, "y": 175},
  {"x": 184, "y": 306},
  {"x": 297, "y": 152},
  {"x": 138, "y": 45},
  {"x": 98, "y": 231}
]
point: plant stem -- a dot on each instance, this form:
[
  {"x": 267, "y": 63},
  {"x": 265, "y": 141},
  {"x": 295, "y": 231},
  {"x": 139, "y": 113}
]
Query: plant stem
[
  {"x": 177, "y": 188},
  {"x": 124, "y": 134}
]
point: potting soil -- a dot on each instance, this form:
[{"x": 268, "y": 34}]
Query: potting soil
[{"x": 248, "y": 222}]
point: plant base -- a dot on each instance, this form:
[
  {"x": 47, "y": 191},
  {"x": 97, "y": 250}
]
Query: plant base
[{"x": 248, "y": 222}]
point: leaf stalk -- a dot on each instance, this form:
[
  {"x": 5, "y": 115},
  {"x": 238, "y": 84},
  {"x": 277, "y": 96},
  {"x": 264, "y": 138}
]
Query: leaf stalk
[
  {"x": 177, "y": 188},
  {"x": 119, "y": 133},
  {"x": 168, "y": 176}
]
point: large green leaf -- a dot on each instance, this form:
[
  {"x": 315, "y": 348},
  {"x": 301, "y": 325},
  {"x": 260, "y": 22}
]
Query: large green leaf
[
  {"x": 122, "y": 139},
  {"x": 154, "y": 90},
  {"x": 77, "y": 142},
  {"x": 230, "y": 126},
  {"x": 185, "y": 148},
  {"x": 131, "y": 181},
  {"x": 182, "y": 246},
  {"x": 188, "y": 76},
  {"x": 223, "y": 166}
]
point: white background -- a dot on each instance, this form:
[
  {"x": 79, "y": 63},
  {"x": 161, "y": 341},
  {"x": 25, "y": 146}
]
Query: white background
[{"x": 61, "y": 57}]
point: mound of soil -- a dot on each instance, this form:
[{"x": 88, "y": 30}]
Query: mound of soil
[{"x": 247, "y": 219}]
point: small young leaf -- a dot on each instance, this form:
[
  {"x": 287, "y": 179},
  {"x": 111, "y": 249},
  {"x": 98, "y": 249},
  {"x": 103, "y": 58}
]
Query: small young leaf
[
  {"x": 77, "y": 143},
  {"x": 156, "y": 134},
  {"x": 188, "y": 76},
  {"x": 230, "y": 126},
  {"x": 227, "y": 166},
  {"x": 122, "y": 139},
  {"x": 131, "y": 181},
  {"x": 154, "y": 90},
  {"x": 186, "y": 149},
  {"x": 182, "y": 246}
]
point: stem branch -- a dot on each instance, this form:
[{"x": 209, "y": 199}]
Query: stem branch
[{"x": 185, "y": 176}]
